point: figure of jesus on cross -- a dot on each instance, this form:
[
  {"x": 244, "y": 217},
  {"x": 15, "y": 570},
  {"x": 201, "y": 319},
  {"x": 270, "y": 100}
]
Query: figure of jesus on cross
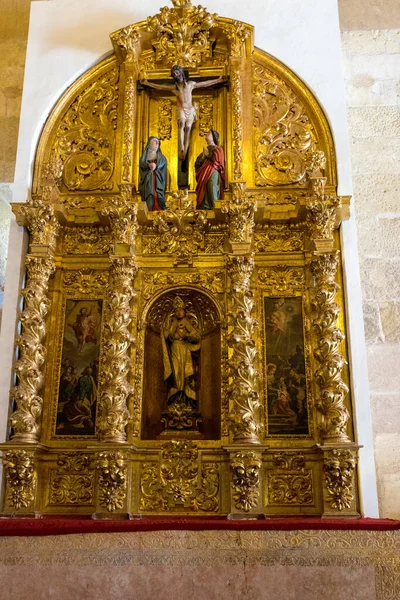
[{"x": 185, "y": 110}]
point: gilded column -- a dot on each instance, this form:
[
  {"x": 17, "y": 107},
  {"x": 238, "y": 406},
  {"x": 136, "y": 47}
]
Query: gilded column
[
  {"x": 120, "y": 314},
  {"x": 39, "y": 218},
  {"x": 242, "y": 388}
]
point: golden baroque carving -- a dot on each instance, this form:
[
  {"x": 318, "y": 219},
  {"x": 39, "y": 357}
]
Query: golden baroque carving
[
  {"x": 127, "y": 39},
  {"x": 20, "y": 478},
  {"x": 339, "y": 468},
  {"x": 113, "y": 414},
  {"x": 213, "y": 281},
  {"x": 87, "y": 240},
  {"x": 237, "y": 125},
  {"x": 214, "y": 243},
  {"x": 85, "y": 139},
  {"x": 206, "y": 114},
  {"x": 181, "y": 227},
  {"x": 245, "y": 469},
  {"x": 122, "y": 212},
  {"x": 281, "y": 279},
  {"x": 321, "y": 211},
  {"x": 290, "y": 483},
  {"x": 240, "y": 211},
  {"x": 111, "y": 467},
  {"x": 85, "y": 281},
  {"x": 26, "y": 418},
  {"x": 332, "y": 389},
  {"x": 39, "y": 218},
  {"x": 129, "y": 119},
  {"x": 180, "y": 481},
  {"x": 237, "y": 33},
  {"x": 182, "y": 33},
  {"x": 284, "y": 138},
  {"x": 164, "y": 119},
  {"x": 71, "y": 484},
  {"x": 242, "y": 387},
  {"x": 278, "y": 238}
]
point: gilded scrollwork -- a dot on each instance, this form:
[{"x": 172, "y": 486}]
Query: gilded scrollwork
[
  {"x": 278, "y": 238},
  {"x": 122, "y": 212},
  {"x": 281, "y": 279},
  {"x": 85, "y": 281},
  {"x": 20, "y": 478},
  {"x": 181, "y": 228},
  {"x": 242, "y": 387},
  {"x": 164, "y": 119},
  {"x": 284, "y": 138},
  {"x": 127, "y": 39},
  {"x": 240, "y": 212},
  {"x": 245, "y": 470},
  {"x": 111, "y": 480},
  {"x": 322, "y": 215},
  {"x": 113, "y": 414},
  {"x": 129, "y": 114},
  {"x": 237, "y": 125},
  {"x": 237, "y": 33},
  {"x": 339, "y": 468},
  {"x": 39, "y": 218},
  {"x": 212, "y": 280},
  {"x": 87, "y": 240},
  {"x": 332, "y": 389},
  {"x": 290, "y": 482},
  {"x": 85, "y": 139},
  {"x": 182, "y": 34},
  {"x": 179, "y": 481},
  {"x": 206, "y": 114},
  {"x": 72, "y": 483},
  {"x": 26, "y": 418}
]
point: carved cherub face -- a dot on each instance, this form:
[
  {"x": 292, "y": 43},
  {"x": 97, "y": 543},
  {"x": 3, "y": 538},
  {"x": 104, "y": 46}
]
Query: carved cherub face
[
  {"x": 154, "y": 143},
  {"x": 179, "y": 313}
]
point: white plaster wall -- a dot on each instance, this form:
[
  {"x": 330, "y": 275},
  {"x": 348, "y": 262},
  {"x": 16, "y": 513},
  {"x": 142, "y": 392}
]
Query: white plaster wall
[{"x": 66, "y": 37}]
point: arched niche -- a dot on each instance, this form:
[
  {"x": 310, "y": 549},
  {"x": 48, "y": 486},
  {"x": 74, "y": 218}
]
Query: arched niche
[{"x": 203, "y": 311}]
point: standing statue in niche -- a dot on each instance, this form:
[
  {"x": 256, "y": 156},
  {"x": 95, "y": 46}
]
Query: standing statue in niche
[
  {"x": 181, "y": 343},
  {"x": 210, "y": 173},
  {"x": 185, "y": 109},
  {"x": 153, "y": 175}
]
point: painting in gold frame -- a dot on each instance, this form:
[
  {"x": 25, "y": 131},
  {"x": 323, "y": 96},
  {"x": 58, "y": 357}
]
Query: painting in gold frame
[
  {"x": 78, "y": 377},
  {"x": 286, "y": 380}
]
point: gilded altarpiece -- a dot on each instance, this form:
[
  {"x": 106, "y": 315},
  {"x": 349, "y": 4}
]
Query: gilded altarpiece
[{"x": 190, "y": 360}]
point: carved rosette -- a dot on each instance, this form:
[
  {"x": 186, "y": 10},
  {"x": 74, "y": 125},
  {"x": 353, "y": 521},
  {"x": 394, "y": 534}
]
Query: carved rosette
[
  {"x": 20, "y": 478},
  {"x": 26, "y": 418},
  {"x": 242, "y": 387},
  {"x": 245, "y": 470},
  {"x": 240, "y": 212},
  {"x": 339, "y": 468},
  {"x": 111, "y": 480},
  {"x": 113, "y": 413},
  {"x": 332, "y": 389}
]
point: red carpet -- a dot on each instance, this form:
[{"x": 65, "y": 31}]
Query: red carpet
[{"x": 62, "y": 525}]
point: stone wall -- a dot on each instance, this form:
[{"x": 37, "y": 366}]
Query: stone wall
[{"x": 372, "y": 70}]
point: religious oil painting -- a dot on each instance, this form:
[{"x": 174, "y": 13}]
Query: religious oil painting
[
  {"x": 285, "y": 366},
  {"x": 78, "y": 383}
]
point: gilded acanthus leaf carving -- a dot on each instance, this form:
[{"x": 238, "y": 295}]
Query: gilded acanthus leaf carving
[
  {"x": 85, "y": 281},
  {"x": 20, "y": 478},
  {"x": 332, "y": 389},
  {"x": 240, "y": 212},
  {"x": 211, "y": 280},
  {"x": 164, "y": 119},
  {"x": 179, "y": 481},
  {"x": 278, "y": 238},
  {"x": 113, "y": 414},
  {"x": 181, "y": 227},
  {"x": 129, "y": 118},
  {"x": 87, "y": 240},
  {"x": 111, "y": 467},
  {"x": 127, "y": 39},
  {"x": 242, "y": 387},
  {"x": 85, "y": 139},
  {"x": 237, "y": 125},
  {"x": 339, "y": 468},
  {"x": 281, "y": 279},
  {"x": 245, "y": 469},
  {"x": 290, "y": 482},
  {"x": 237, "y": 34},
  {"x": 122, "y": 212},
  {"x": 182, "y": 34},
  {"x": 284, "y": 138},
  {"x": 38, "y": 216},
  {"x": 73, "y": 482},
  {"x": 26, "y": 418},
  {"x": 206, "y": 114}
]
